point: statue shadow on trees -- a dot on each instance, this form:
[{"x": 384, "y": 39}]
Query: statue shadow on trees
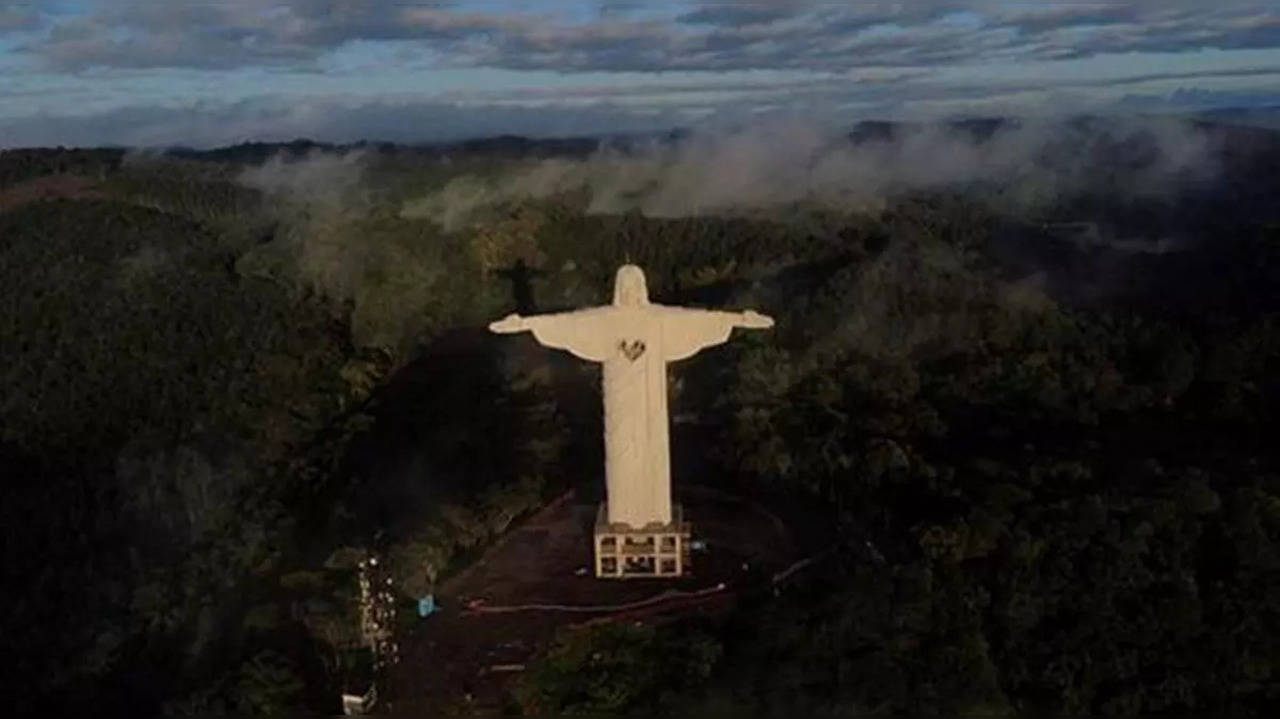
[
  {"x": 460, "y": 417},
  {"x": 521, "y": 277}
]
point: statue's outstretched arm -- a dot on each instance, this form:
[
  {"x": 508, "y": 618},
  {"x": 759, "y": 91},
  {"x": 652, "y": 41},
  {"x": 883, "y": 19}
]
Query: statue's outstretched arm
[
  {"x": 686, "y": 330},
  {"x": 584, "y": 333}
]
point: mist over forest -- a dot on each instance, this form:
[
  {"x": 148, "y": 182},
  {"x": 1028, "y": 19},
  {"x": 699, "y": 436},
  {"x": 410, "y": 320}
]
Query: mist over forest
[{"x": 1025, "y": 370}]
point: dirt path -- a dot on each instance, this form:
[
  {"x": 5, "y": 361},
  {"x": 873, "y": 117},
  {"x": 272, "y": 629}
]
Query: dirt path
[{"x": 665, "y": 597}]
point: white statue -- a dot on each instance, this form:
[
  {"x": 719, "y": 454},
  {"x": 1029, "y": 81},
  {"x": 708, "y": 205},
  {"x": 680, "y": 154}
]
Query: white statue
[{"x": 634, "y": 339}]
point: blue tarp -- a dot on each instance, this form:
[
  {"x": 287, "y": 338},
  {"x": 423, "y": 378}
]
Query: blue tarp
[{"x": 427, "y": 605}]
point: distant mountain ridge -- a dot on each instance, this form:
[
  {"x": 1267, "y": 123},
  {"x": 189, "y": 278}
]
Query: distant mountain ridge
[
  {"x": 978, "y": 129},
  {"x": 512, "y": 145}
]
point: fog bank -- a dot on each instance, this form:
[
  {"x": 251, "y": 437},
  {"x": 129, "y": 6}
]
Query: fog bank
[{"x": 1021, "y": 165}]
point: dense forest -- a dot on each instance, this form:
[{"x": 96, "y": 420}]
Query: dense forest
[{"x": 1045, "y": 438}]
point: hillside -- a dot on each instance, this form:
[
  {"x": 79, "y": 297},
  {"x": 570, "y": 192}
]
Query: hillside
[{"x": 1038, "y": 404}]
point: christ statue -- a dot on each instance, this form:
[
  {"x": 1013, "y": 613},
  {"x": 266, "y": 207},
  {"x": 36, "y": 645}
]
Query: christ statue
[{"x": 634, "y": 339}]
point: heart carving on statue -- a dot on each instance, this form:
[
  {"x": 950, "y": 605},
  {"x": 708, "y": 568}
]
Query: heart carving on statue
[{"x": 631, "y": 350}]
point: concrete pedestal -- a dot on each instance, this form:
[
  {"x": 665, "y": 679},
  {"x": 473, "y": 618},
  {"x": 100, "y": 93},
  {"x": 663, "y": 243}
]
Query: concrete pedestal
[{"x": 655, "y": 550}]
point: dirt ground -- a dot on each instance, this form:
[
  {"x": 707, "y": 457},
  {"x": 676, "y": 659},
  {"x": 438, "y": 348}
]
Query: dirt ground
[{"x": 448, "y": 659}]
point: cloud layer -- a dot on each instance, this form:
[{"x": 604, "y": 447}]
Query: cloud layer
[
  {"x": 153, "y": 73},
  {"x": 710, "y": 36}
]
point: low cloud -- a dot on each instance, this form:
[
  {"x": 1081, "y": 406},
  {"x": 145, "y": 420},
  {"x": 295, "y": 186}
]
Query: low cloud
[
  {"x": 326, "y": 239},
  {"x": 319, "y": 178},
  {"x": 1024, "y": 165}
]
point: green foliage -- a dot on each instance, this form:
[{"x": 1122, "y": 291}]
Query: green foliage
[
  {"x": 25, "y": 164},
  {"x": 616, "y": 669},
  {"x": 158, "y": 396},
  {"x": 203, "y": 194},
  {"x": 114, "y": 337},
  {"x": 998, "y": 452},
  {"x": 399, "y": 281},
  {"x": 420, "y": 557},
  {"x": 267, "y": 685}
]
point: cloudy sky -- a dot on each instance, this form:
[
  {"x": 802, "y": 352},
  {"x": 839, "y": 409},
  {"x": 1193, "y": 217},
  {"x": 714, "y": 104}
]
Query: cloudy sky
[{"x": 211, "y": 72}]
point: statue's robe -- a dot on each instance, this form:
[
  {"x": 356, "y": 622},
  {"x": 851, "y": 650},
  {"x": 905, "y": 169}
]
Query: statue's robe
[{"x": 635, "y": 343}]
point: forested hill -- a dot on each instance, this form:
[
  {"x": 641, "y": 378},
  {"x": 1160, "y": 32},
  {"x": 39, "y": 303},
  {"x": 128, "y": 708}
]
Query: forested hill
[{"x": 1044, "y": 427}]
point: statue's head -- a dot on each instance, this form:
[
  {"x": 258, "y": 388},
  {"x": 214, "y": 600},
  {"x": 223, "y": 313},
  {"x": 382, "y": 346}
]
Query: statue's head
[{"x": 629, "y": 289}]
